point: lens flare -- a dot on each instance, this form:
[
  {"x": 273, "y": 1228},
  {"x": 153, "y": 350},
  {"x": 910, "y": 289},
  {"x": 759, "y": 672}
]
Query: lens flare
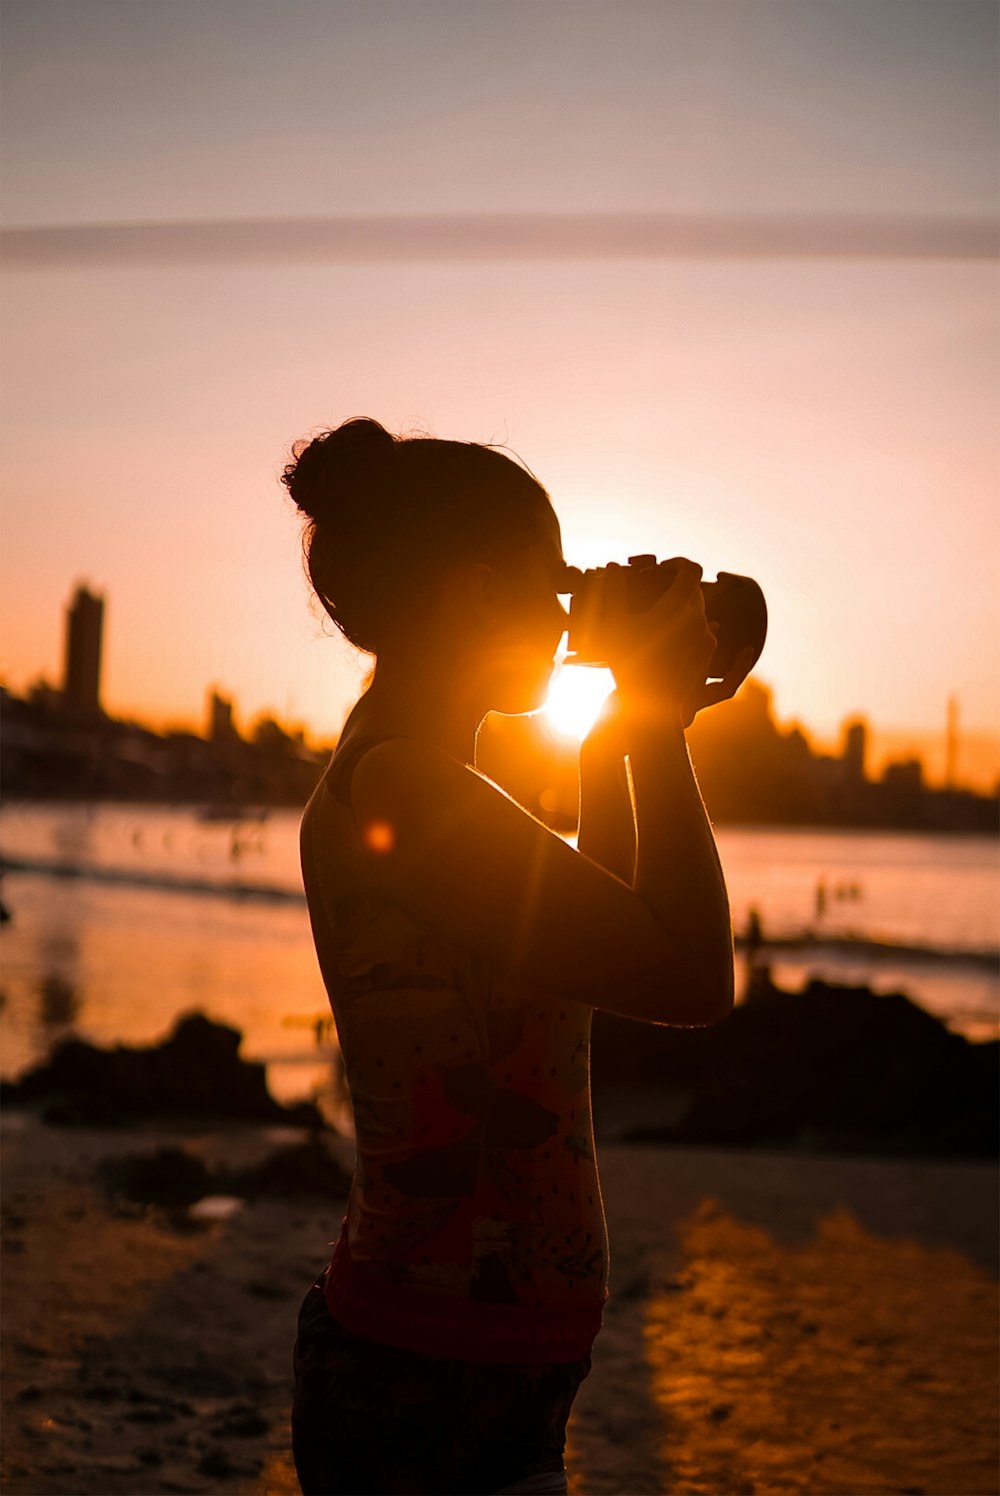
[
  {"x": 575, "y": 698},
  {"x": 378, "y": 836}
]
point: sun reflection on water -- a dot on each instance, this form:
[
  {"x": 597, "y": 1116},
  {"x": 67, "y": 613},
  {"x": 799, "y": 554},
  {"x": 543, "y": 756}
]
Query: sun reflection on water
[{"x": 840, "y": 1364}]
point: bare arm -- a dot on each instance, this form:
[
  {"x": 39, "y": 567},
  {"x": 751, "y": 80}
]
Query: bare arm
[
  {"x": 607, "y": 815},
  {"x": 678, "y": 872},
  {"x": 461, "y": 857},
  {"x": 464, "y": 859}
]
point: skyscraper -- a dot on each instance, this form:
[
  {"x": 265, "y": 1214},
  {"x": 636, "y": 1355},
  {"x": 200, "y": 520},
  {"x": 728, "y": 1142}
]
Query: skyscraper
[
  {"x": 221, "y": 728},
  {"x": 951, "y": 744},
  {"x": 82, "y": 658},
  {"x": 855, "y": 748}
]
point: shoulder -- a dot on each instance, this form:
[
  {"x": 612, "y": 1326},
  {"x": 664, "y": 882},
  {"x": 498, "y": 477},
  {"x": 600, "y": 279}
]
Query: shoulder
[
  {"x": 440, "y": 836},
  {"x": 416, "y": 780}
]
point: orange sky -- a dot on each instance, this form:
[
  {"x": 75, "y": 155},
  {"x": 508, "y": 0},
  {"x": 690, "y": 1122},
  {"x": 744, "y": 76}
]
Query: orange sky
[{"x": 827, "y": 425}]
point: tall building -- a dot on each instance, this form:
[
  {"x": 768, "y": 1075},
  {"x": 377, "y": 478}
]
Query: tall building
[
  {"x": 221, "y": 727},
  {"x": 951, "y": 744},
  {"x": 855, "y": 749},
  {"x": 82, "y": 658}
]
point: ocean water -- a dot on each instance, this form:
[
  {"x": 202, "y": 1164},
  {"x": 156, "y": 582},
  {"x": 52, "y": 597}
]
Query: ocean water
[{"x": 125, "y": 916}]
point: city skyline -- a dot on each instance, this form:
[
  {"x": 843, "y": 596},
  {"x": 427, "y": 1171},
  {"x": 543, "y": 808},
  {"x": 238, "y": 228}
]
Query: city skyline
[
  {"x": 952, "y": 758},
  {"x": 822, "y": 421},
  {"x": 751, "y": 769}
]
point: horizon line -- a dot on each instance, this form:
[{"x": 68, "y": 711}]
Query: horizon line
[
  {"x": 785, "y": 722},
  {"x": 394, "y": 238}
]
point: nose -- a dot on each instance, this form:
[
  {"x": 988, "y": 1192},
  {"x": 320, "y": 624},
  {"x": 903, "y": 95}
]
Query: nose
[
  {"x": 560, "y": 620},
  {"x": 569, "y": 578}
]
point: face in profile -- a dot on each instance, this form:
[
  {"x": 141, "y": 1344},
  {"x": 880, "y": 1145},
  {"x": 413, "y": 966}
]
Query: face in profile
[{"x": 531, "y": 620}]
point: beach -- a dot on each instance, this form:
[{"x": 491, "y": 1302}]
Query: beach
[
  {"x": 785, "y": 1318},
  {"x": 778, "y": 1323}
]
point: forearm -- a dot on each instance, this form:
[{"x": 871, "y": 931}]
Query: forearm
[
  {"x": 677, "y": 870},
  {"x": 607, "y": 817}
]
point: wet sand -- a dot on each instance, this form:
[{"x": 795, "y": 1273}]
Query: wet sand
[{"x": 779, "y": 1323}]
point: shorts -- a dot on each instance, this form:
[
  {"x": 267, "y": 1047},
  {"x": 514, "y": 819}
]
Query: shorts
[{"x": 371, "y": 1418}]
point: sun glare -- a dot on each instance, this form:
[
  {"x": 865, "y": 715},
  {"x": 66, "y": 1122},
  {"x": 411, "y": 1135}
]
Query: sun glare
[{"x": 575, "y": 698}]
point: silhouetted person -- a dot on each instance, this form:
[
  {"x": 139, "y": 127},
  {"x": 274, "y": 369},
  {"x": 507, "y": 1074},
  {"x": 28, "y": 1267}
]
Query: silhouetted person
[
  {"x": 754, "y": 938},
  {"x": 463, "y": 947}
]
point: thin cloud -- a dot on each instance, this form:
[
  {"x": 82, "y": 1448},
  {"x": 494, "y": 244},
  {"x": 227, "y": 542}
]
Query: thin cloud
[{"x": 436, "y": 238}]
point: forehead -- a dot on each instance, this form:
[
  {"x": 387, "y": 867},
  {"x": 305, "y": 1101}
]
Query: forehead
[{"x": 547, "y": 536}]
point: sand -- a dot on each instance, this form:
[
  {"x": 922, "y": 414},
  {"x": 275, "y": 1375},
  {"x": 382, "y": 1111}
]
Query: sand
[{"x": 779, "y": 1323}]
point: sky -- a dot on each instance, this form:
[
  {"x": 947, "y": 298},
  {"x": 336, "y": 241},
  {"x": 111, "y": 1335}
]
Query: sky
[{"x": 827, "y": 424}]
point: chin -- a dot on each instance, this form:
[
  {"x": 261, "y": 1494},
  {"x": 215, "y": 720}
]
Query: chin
[{"x": 527, "y": 693}]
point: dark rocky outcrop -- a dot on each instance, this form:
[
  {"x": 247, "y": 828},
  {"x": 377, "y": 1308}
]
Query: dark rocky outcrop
[
  {"x": 195, "y": 1072},
  {"x": 828, "y": 1068},
  {"x": 173, "y": 1177}
]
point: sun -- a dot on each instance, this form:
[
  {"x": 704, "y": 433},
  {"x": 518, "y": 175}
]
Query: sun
[{"x": 575, "y": 698}]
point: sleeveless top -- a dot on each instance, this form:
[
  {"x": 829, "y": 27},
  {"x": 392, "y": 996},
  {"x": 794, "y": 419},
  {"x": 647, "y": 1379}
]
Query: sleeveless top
[{"x": 474, "y": 1225}]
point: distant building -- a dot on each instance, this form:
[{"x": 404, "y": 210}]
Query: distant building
[
  {"x": 82, "y": 658},
  {"x": 221, "y": 728},
  {"x": 268, "y": 733},
  {"x": 855, "y": 750},
  {"x": 951, "y": 744},
  {"x": 906, "y": 776}
]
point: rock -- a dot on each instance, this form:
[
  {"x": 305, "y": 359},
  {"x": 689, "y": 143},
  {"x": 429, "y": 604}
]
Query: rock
[
  {"x": 305, "y": 1169},
  {"x": 170, "y": 1176},
  {"x": 195, "y": 1072},
  {"x": 241, "y": 1422},
  {"x": 173, "y": 1178},
  {"x": 216, "y": 1464},
  {"x": 828, "y": 1068}
]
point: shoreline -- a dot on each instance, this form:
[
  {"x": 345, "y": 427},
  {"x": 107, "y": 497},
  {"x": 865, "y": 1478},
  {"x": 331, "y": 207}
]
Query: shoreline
[
  {"x": 823, "y": 1069},
  {"x": 808, "y": 940},
  {"x": 211, "y": 808},
  {"x": 795, "y": 1319},
  {"x": 778, "y": 1323}
]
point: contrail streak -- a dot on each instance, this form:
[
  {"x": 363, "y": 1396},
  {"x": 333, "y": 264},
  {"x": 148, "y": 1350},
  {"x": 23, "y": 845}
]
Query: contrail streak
[{"x": 470, "y": 238}]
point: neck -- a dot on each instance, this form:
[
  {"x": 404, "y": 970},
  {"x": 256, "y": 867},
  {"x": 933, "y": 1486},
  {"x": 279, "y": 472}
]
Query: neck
[{"x": 403, "y": 702}]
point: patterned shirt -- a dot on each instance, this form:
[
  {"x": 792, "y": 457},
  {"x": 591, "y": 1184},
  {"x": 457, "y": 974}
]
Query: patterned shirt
[{"x": 474, "y": 1226}]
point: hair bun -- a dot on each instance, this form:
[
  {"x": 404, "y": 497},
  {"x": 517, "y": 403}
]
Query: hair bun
[
  {"x": 386, "y": 515},
  {"x": 350, "y": 462}
]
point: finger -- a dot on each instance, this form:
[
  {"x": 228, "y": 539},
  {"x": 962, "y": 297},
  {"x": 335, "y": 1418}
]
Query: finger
[
  {"x": 686, "y": 575},
  {"x": 719, "y": 690},
  {"x": 740, "y": 667},
  {"x": 613, "y": 595},
  {"x": 726, "y": 688},
  {"x": 744, "y": 661},
  {"x": 682, "y": 563},
  {"x": 700, "y": 633}
]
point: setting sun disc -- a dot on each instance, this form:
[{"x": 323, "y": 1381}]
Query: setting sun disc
[{"x": 575, "y": 698}]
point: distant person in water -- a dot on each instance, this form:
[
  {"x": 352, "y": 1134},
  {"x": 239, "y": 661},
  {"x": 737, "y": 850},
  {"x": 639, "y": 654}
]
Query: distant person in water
[{"x": 463, "y": 946}]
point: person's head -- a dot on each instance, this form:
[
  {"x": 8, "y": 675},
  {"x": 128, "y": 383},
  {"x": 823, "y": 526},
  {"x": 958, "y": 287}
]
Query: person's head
[{"x": 418, "y": 544}]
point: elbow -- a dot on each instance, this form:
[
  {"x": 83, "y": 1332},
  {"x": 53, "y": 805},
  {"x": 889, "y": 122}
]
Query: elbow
[
  {"x": 723, "y": 984},
  {"x": 709, "y": 991},
  {"x": 711, "y": 1004},
  {"x": 719, "y": 1005},
  {"x": 689, "y": 989},
  {"x": 707, "y": 977},
  {"x": 678, "y": 998}
]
